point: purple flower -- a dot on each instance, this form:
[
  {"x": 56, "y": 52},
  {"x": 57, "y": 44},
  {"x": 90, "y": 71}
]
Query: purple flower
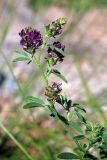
[
  {"x": 55, "y": 28},
  {"x": 54, "y": 54},
  {"x": 31, "y": 39}
]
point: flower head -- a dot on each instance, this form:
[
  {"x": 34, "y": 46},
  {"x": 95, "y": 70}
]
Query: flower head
[
  {"x": 54, "y": 54},
  {"x": 55, "y": 28},
  {"x": 56, "y": 87},
  {"x": 53, "y": 91},
  {"x": 31, "y": 39}
]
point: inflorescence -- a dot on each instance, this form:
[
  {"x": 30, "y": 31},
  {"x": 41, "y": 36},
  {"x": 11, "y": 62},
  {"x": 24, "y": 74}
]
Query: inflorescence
[
  {"x": 55, "y": 28},
  {"x": 31, "y": 39}
]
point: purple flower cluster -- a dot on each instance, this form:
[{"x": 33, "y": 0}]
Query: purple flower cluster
[
  {"x": 31, "y": 39},
  {"x": 54, "y": 54},
  {"x": 55, "y": 28}
]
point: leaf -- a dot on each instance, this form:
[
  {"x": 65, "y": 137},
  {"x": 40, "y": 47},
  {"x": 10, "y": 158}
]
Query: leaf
[
  {"x": 35, "y": 99},
  {"x": 58, "y": 74},
  {"x": 67, "y": 155},
  {"x": 105, "y": 136},
  {"x": 76, "y": 126},
  {"x": 58, "y": 50},
  {"x": 79, "y": 137},
  {"x": 75, "y": 104},
  {"x": 60, "y": 99},
  {"x": 81, "y": 108},
  {"x": 33, "y": 105},
  {"x": 63, "y": 119},
  {"x": 22, "y": 53},
  {"x": 80, "y": 117},
  {"x": 88, "y": 128},
  {"x": 104, "y": 146},
  {"x": 76, "y": 149},
  {"x": 21, "y": 59}
]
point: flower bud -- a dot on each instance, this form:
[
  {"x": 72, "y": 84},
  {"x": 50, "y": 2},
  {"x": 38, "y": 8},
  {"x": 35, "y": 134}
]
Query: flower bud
[{"x": 55, "y": 28}]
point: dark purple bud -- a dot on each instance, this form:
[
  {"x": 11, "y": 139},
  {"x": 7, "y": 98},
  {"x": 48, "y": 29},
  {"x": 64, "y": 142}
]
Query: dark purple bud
[{"x": 54, "y": 54}]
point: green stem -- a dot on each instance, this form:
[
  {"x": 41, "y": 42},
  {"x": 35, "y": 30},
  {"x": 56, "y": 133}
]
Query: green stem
[
  {"x": 49, "y": 70},
  {"x": 42, "y": 48},
  {"x": 41, "y": 69},
  {"x": 16, "y": 142},
  {"x": 45, "y": 78}
]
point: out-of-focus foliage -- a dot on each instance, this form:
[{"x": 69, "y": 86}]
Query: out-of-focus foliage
[
  {"x": 40, "y": 4},
  {"x": 85, "y": 5},
  {"x": 77, "y": 5}
]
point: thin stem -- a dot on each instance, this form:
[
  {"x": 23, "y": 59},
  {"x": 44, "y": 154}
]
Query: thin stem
[
  {"x": 42, "y": 48},
  {"x": 16, "y": 142},
  {"x": 45, "y": 78},
  {"x": 41, "y": 69},
  {"x": 49, "y": 69}
]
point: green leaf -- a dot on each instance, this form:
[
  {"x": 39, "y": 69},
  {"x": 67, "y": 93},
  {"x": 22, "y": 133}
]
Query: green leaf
[
  {"x": 79, "y": 137},
  {"x": 80, "y": 117},
  {"x": 61, "y": 100},
  {"x": 22, "y": 53},
  {"x": 81, "y": 108},
  {"x": 88, "y": 128},
  {"x": 104, "y": 146},
  {"x": 33, "y": 105},
  {"x": 34, "y": 99},
  {"x": 62, "y": 118},
  {"x": 105, "y": 136},
  {"x": 58, "y": 50},
  {"x": 67, "y": 155},
  {"x": 21, "y": 59},
  {"x": 76, "y": 126},
  {"x": 58, "y": 74}
]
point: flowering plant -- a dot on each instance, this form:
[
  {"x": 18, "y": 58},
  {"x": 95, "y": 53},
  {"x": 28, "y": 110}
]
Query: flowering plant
[{"x": 90, "y": 139}]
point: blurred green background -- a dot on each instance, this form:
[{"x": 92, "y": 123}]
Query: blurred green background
[{"x": 85, "y": 66}]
